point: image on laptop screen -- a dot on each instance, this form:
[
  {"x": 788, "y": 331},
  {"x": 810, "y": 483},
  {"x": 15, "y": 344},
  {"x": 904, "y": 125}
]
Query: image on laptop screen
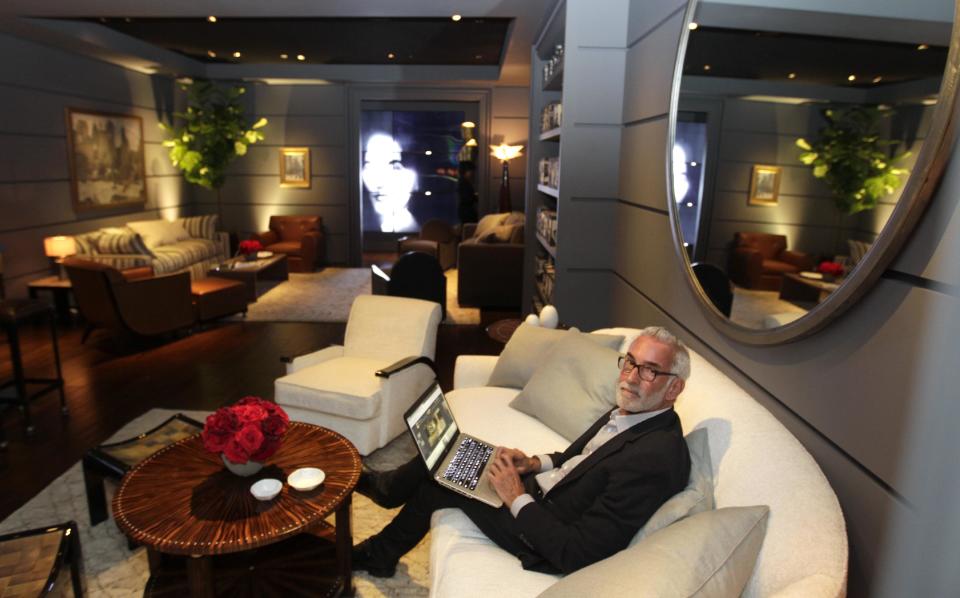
[{"x": 433, "y": 427}]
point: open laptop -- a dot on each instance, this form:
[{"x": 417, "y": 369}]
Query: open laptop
[{"x": 456, "y": 460}]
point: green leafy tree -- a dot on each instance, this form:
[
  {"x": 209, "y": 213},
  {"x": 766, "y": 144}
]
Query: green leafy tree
[
  {"x": 853, "y": 159},
  {"x": 210, "y": 134}
]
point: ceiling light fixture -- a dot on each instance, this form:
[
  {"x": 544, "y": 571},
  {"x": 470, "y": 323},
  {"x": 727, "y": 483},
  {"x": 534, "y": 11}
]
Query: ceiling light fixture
[
  {"x": 478, "y": 57},
  {"x": 877, "y": 79},
  {"x": 851, "y": 77},
  {"x": 707, "y": 67},
  {"x": 284, "y": 56},
  {"x": 792, "y": 76},
  {"x": 693, "y": 26},
  {"x": 428, "y": 193},
  {"x": 301, "y": 57},
  {"x": 689, "y": 204},
  {"x": 428, "y": 153},
  {"x": 922, "y": 47},
  {"x": 391, "y": 55},
  {"x": 467, "y": 124},
  {"x": 456, "y": 18},
  {"x": 236, "y": 54},
  {"x": 211, "y": 54},
  {"x": 212, "y": 19}
]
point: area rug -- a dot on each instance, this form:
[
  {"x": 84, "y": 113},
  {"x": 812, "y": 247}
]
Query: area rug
[
  {"x": 112, "y": 570},
  {"x": 326, "y": 296},
  {"x": 751, "y": 307}
]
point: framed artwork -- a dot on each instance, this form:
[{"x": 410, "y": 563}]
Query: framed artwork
[
  {"x": 295, "y": 167},
  {"x": 764, "y": 185},
  {"x": 107, "y": 166}
]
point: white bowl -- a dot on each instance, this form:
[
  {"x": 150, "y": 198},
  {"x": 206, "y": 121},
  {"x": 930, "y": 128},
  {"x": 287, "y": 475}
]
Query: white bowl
[
  {"x": 264, "y": 254},
  {"x": 266, "y": 489},
  {"x": 306, "y": 478}
]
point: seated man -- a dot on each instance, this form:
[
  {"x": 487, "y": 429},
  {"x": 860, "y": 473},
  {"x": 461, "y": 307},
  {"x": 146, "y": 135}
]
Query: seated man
[{"x": 566, "y": 510}]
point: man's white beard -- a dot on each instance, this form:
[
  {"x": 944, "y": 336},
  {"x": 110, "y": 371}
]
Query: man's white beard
[{"x": 644, "y": 401}]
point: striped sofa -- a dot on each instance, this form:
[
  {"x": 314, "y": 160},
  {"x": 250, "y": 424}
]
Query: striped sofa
[{"x": 121, "y": 247}]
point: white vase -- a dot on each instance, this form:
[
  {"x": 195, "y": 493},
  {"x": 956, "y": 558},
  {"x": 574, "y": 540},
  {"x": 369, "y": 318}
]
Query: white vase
[
  {"x": 549, "y": 318},
  {"x": 242, "y": 469}
]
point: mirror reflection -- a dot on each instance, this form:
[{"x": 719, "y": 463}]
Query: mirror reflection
[{"x": 795, "y": 134}]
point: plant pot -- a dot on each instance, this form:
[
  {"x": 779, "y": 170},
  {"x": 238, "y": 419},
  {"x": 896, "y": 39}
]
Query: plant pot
[{"x": 242, "y": 469}]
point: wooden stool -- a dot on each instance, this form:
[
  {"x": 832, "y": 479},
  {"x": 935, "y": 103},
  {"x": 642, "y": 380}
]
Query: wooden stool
[
  {"x": 14, "y": 313},
  {"x": 217, "y": 297}
]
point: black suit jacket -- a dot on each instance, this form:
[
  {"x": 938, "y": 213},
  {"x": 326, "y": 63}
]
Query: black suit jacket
[{"x": 600, "y": 505}]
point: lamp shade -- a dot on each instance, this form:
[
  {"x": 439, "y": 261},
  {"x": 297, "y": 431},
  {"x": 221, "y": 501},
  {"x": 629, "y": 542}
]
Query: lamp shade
[
  {"x": 506, "y": 152},
  {"x": 59, "y": 246}
]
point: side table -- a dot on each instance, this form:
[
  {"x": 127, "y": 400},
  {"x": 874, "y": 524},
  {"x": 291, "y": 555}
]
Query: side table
[
  {"x": 207, "y": 536},
  {"x": 60, "y": 288}
]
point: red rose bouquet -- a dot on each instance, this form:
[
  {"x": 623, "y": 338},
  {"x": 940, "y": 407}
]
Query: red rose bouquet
[
  {"x": 250, "y": 246},
  {"x": 249, "y": 430},
  {"x": 830, "y": 268}
]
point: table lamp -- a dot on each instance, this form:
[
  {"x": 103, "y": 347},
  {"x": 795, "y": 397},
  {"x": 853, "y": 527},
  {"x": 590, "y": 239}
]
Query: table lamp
[
  {"x": 58, "y": 248},
  {"x": 505, "y": 153}
]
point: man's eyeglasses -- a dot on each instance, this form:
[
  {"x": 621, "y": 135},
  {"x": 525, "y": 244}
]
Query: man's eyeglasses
[{"x": 646, "y": 373}]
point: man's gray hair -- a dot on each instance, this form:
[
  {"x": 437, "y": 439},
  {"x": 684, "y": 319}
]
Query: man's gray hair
[{"x": 681, "y": 356}]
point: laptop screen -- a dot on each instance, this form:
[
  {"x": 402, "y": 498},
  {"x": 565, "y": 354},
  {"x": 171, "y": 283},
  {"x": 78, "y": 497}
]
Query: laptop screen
[{"x": 432, "y": 425}]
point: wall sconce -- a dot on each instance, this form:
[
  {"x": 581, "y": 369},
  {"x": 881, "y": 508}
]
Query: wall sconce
[
  {"x": 505, "y": 153},
  {"x": 58, "y": 248}
]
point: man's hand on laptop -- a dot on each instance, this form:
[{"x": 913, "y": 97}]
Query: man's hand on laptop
[
  {"x": 522, "y": 463},
  {"x": 505, "y": 477}
]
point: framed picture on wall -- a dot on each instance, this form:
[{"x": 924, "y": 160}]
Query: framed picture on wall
[
  {"x": 764, "y": 185},
  {"x": 295, "y": 167},
  {"x": 107, "y": 167}
]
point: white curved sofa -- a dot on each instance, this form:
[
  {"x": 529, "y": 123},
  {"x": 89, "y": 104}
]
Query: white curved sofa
[{"x": 756, "y": 461}]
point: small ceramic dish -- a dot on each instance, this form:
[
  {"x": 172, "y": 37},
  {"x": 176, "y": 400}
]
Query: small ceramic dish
[
  {"x": 264, "y": 254},
  {"x": 266, "y": 489},
  {"x": 306, "y": 478}
]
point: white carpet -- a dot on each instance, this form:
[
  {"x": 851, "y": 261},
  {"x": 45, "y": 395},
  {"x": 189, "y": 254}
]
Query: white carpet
[
  {"x": 750, "y": 307},
  {"x": 326, "y": 296},
  {"x": 111, "y": 570}
]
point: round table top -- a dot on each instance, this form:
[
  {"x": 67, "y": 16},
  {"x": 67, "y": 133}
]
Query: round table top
[{"x": 182, "y": 500}]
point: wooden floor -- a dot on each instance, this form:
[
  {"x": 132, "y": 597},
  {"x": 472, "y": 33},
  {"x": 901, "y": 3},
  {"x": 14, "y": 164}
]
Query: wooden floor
[{"x": 108, "y": 383}]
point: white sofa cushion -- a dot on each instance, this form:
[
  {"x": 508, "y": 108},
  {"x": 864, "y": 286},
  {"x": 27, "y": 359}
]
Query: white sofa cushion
[
  {"x": 159, "y": 232},
  {"x": 508, "y": 427},
  {"x": 709, "y": 555},
  {"x": 342, "y": 386}
]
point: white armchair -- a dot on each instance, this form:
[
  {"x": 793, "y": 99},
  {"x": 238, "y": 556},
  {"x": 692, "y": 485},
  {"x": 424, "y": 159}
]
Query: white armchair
[{"x": 362, "y": 389}]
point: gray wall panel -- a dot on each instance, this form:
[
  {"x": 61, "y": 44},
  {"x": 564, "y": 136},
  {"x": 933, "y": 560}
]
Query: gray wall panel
[
  {"x": 812, "y": 211},
  {"x": 265, "y": 190},
  {"x": 29, "y": 158},
  {"x": 298, "y": 100},
  {"x": 594, "y": 71},
  {"x": 512, "y": 102},
  {"x": 592, "y": 218},
  {"x": 794, "y": 180},
  {"x": 645, "y": 17},
  {"x": 594, "y": 25},
  {"x": 763, "y": 117},
  {"x": 652, "y": 59},
  {"x": 265, "y": 159},
  {"x": 644, "y": 182},
  {"x": 588, "y": 168},
  {"x": 306, "y": 130}
]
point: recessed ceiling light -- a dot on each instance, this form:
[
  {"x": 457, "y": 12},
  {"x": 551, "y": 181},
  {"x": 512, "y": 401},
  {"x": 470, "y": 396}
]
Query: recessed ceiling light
[
  {"x": 706, "y": 67},
  {"x": 877, "y": 79},
  {"x": 693, "y": 26},
  {"x": 428, "y": 153},
  {"x": 851, "y": 77},
  {"x": 212, "y": 19},
  {"x": 456, "y": 18},
  {"x": 428, "y": 192},
  {"x": 686, "y": 244},
  {"x": 478, "y": 57},
  {"x": 211, "y": 54},
  {"x": 301, "y": 57},
  {"x": 467, "y": 124},
  {"x": 284, "y": 56},
  {"x": 391, "y": 55},
  {"x": 792, "y": 76},
  {"x": 689, "y": 204},
  {"x": 693, "y": 164},
  {"x": 128, "y": 20},
  {"x": 922, "y": 47},
  {"x": 236, "y": 54}
]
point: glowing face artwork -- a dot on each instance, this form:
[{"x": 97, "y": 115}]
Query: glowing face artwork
[
  {"x": 681, "y": 181},
  {"x": 389, "y": 183}
]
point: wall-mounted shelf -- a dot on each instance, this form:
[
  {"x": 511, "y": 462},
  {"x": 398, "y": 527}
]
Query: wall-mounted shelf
[
  {"x": 551, "y": 249},
  {"x": 552, "y": 192},
  {"x": 551, "y": 135}
]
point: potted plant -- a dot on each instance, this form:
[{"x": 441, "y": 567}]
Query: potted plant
[
  {"x": 852, "y": 158},
  {"x": 212, "y": 132}
]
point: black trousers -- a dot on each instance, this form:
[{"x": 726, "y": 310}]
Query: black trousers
[{"x": 426, "y": 496}]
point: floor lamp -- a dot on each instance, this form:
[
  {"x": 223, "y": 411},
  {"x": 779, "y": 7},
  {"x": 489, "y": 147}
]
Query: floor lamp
[{"x": 505, "y": 153}]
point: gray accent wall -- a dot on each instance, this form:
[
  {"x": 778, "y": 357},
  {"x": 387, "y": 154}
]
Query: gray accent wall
[{"x": 37, "y": 84}]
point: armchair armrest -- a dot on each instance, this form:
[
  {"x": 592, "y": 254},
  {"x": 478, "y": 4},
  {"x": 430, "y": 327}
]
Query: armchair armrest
[
  {"x": 746, "y": 266},
  {"x": 303, "y": 361},
  {"x": 155, "y": 305},
  {"x": 473, "y": 370},
  {"x": 137, "y": 273},
  {"x": 405, "y": 363},
  {"x": 266, "y": 238},
  {"x": 797, "y": 258},
  {"x": 121, "y": 261},
  {"x": 223, "y": 242},
  {"x": 311, "y": 248}
]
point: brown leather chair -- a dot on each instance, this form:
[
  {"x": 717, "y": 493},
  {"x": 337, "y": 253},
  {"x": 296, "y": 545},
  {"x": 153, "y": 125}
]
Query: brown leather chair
[
  {"x": 759, "y": 260},
  {"x": 437, "y": 238},
  {"x": 490, "y": 274},
  {"x": 299, "y": 237}
]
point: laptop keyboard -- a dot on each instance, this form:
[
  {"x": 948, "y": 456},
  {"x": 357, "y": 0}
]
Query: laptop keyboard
[{"x": 465, "y": 467}]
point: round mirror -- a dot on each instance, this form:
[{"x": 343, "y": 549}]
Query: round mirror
[{"x": 805, "y": 142}]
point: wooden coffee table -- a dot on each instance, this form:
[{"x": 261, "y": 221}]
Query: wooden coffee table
[
  {"x": 801, "y": 289},
  {"x": 251, "y": 273},
  {"x": 207, "y": 536}
]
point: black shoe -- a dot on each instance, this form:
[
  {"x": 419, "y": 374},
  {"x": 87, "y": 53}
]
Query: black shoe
[
  {"x": 373, "y": 485},
  {"x": 390, "y": 489},
  {"x": 363, "y": 561}
]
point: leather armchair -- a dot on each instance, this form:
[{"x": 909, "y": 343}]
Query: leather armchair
[
  {"x": 489, "y": 274},
  {"x": 141, "y": 304},
  {"x": 299, "y": 237},
  {"x": 438, "y": 238},
  {"x": 759, "y": 260}
]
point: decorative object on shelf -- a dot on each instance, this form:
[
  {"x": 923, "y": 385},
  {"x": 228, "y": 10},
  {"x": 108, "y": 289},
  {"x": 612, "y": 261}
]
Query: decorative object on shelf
[
  {"x": 550, "y": 172},
  {"x": 107, "y": 168},
  {"x": 532, "y": 319},
  {"x": 245, "y": 434},
  {"x": 764, "y": 185},
  {"x": 547, "y": 225},
  {"x": 551, "y": 117},
  {"x": 852, "y": 157},
  {"x": 295, "y": 167},
  {"x": 250, "y": 249},
  {"x": 212, "y": 134},
  {"x": 59, "y": 247},
  {"x": 554, "y": 64},
  {"x": 549, "y": 318},
  {"x": 505, "y": 153}
]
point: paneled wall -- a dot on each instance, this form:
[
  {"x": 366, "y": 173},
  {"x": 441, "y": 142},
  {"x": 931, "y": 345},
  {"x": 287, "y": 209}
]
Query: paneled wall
[
  {"x": 848, "y": 393},
  {"x": 37, "y": 84}
]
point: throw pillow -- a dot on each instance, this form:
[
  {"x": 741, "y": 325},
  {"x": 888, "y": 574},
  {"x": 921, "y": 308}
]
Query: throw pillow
[
  {"x": 514, "y": 218},
  {"x": 711, "y": 554},
  {"x": 695, "y": 498},
  {"x": 857, "y": 249},
  {"x": 200, "y": 227},
  {"x": 526, "y": 349},
  {"x": 159, "y": 232},
  {"x": 500, "y": 234},
  {"x": 574, "y": 385},
  {"x": 128, "y": 242},
  {"x": 487, "y": 224}
]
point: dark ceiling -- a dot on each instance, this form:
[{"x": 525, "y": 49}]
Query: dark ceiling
[
  {"x": 421, "y": 41},
  {"x": 772, "y": 56}
]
